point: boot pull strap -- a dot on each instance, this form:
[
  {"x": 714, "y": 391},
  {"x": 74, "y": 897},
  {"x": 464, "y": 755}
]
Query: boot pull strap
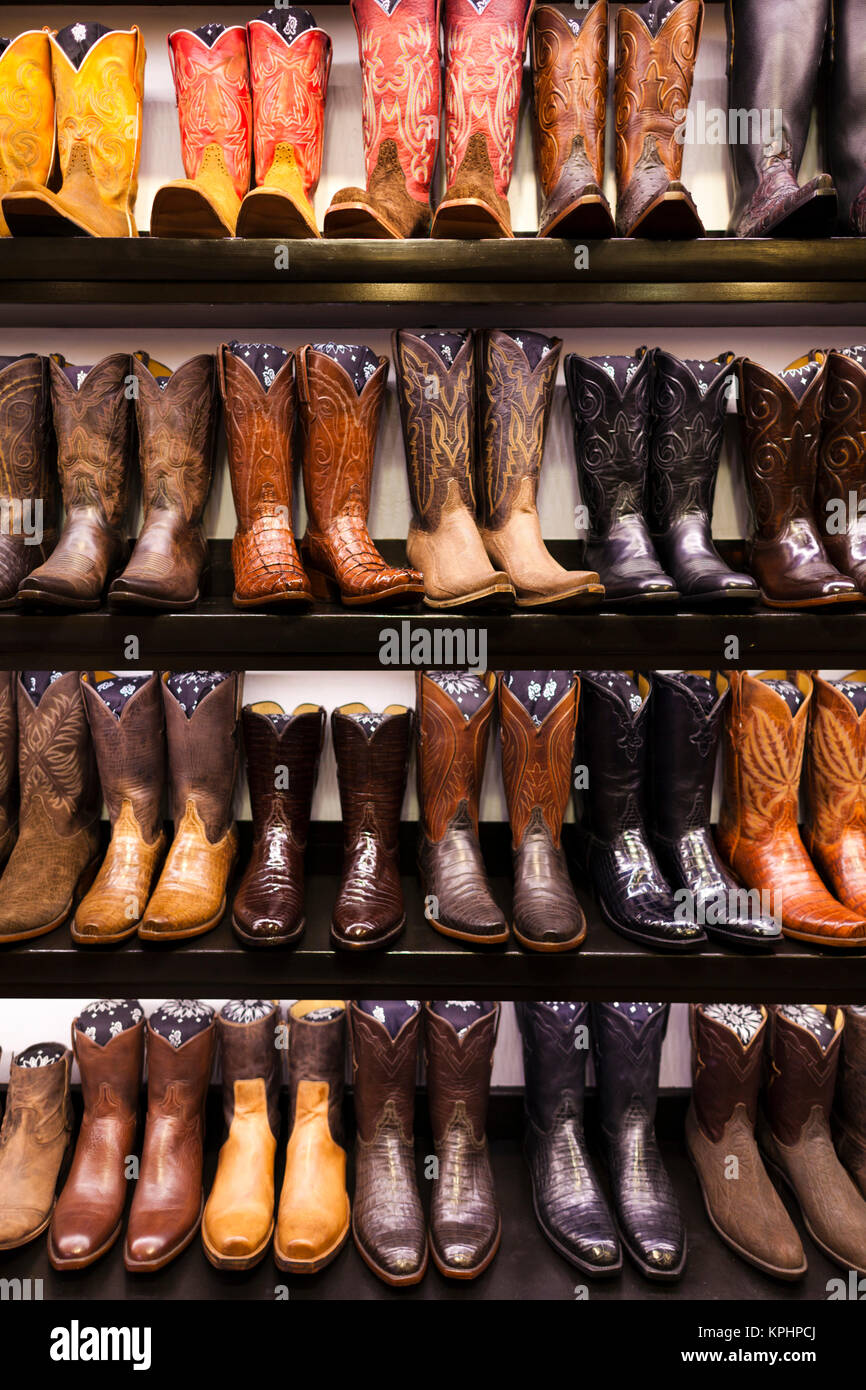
[{"x": 303, "y": 385}]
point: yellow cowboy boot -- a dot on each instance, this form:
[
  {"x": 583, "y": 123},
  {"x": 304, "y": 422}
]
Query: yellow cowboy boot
[{"x": 26, "y": 112}]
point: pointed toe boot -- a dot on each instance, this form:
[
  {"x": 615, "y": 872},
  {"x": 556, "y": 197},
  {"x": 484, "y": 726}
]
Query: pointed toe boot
[
  {"x": 35, "y": 1140},
  {"x": 849, "y": 1113},
  {"x": 835, "y": 779},
  {"x": 28, "y": 469},
  {"x": 840, "y": 493}
]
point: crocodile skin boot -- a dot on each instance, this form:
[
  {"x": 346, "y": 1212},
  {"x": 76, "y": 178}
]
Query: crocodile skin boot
[
  {"x": 749, "y": 1215},
  {"x": 687, "y": 714},
  {"x": 849, "y": 1114},
  {"x": 794, "y": 1129},
  {"x": 35, "y": 1140},
  {"x": 757, "y": 832},
  {"x": 774, "y": 79},
  {"x": 8, "y": 765},
  {"x": 840, "y": 493},
  {"x": 656, "y": 49},
  {"x": 398, "y": 46},
  {"x": 128, "y": 732},
  {"x": 846, "y": 128},
  {"x": 290, "y": 58},
  {"x": 453, "y": 714},
  {"x": 314, "y": 1215},
  {"x": 569, "y": 81},
  {"x": 238, "y": 1219},
  {"x": 538, "y": 713},
  {"x": 26, "y": 113},
  {"x": 781, "y": 435},
  {"x": 28, "y": 478},
  {"x": 835, "y": 767},
  {"x": 56, "y": 854},
  {"x": 339, "y": 422},
  {"x": 176, "y": 414},
  {"x": 516, "y": 375},
  {"x": 570, "y": 1206},
  {"x": 611, "y": 400},
  {"x": 93, "y": 420},
  {"x": 689, "y": 403},
  {"x": 201, "y": 716},
  {"x": 282, "y": 752},
  {"x": 465, "y": 1225},
  {"x": 98, "y": 80},
  {"x": 89, "y": 1213},
  {"x": 484, "y": 46},
  {"x": 214, "y": 108},
  {"x": 387, "y": 1218},
  {"x": 634, "y": 896}
]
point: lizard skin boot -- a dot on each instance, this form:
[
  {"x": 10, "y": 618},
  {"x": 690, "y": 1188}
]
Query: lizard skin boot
[
  {"x": 8, "y": 765},
  {"x": 846, "y": 124},
  {"x": 28, "y": 464},
  {"x": 849, "y": 1114},
  {"x": 840, "y": 493},
  {"x": 835, "y": 768},
  {"x": 26, "y": 113},
  {"x": 35, "y": 1140}
]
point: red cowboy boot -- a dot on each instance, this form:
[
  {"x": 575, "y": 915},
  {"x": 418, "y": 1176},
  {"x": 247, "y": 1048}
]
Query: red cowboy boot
[
  {"x": 212, "y": 81},
  {"x": 290, "y": 58},
  {"x": 484, "y": 45},
  {"x": 399, "y": 54}
]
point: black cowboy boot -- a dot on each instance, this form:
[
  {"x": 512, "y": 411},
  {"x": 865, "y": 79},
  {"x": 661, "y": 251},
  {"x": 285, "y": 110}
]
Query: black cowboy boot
[{"x": 846, "y": 116}]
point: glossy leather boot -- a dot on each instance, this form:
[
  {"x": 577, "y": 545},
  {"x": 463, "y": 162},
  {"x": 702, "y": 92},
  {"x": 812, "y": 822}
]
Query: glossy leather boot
[
  {"x": 27, "y": 109},
  {"x": 689, "y": 404},
  {"x": 314, "y": 1214},
  {"x": 387, "y": 1218},
  {"x": 35, "y": 1140},
  {"x": 465, "y": 1225},
  {"x": 846, "y": 127},
  {"x": 611, "y": 446},
  {"x": 28, "y": 462},
  {"x": 570, "y": 1206},
  {"x": 757, "y": 833},
  {"x": 634, "y": 897},
  {"x": 282, "y": 752},
  {"x": 687, "y": 714},
  {"x": 840, "y": 494},
  {"x": 452, "y": 748},
  {"x": 727, "y": 1055},
  {"x": 8, "y": 765},
  {"x": 835, "y": 765},
  {"x": 627, "y": 1046},
  {"x": 372, "y": 753},
  {"x": 537, "y": 753},
  {"x": 849, "y": 1112}
]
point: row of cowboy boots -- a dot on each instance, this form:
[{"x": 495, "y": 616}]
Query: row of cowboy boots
[{"x": 812, "y": 1063}]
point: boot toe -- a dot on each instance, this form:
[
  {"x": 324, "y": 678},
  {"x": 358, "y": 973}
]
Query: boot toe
[
  {"x": 143, "y": 1251},
  {"x": 464, "y": 1252},
  {"x": 398, "y": 1255},
  {"x": 19, "y": 1224}
]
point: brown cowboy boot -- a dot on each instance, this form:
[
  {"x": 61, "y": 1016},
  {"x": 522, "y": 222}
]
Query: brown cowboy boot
[
  {"x": 835, "y": 776},
  {"x": 840, "y": 493},
  {"x": 8, "y": 765},
  {"x": 35, "y": 1140},
  {"x": 849, "y": 1114},
  {"x": 28, "y": 478}
]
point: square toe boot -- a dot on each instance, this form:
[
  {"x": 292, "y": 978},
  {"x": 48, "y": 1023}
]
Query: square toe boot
[
  {"x": 835, "y": 778},
  {"x": 191, "y": 893},
  {"x": 849, "y": 1113},
  {"x": 28, "y": 469},
  {"x": 89, "y": 1213},
  {"x": 34, "y": 1142},
  {"x": 313, "y": 1217},
  {"x": 27, "y": 111},
  {"x": 728, "y": 1043},
  {"x": 56, "y": 854},
  {"x": 8, "y": 764},
  {"x": 238, "y": 1219}
]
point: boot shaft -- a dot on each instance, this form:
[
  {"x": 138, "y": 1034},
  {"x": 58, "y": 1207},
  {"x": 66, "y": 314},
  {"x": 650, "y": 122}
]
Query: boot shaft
[
  {"x": 178, "y": 1077},
  {"x": 835, "y": 765},
  {"x": 289, "y": 81},
  {"x": 249, "y": 1052},
  {"x": 317, "y": 1059},
  {"x": 8, "y": 761},
  {"x": 514, "y": 400},
  {"x": 802, "y": 1073},
  {"x": 627, "y": 1046},
  {"x": 273, "y": 741},
  {"x": 614, "y": 746},
  {"x": 555, "y": 1049},
  {"x": 687, "y": 432},
  {"x": 437, "y": 412},
  {"x": 94, "y": 428},
  {"x": 371, "y": 770},
  {"x": 655, "y": 69},
  {"x": 569, "y": 78},
  {"x": 177, "y": 419},
  {"x": 537, "y": 760},
  {"x": 203, "y": 748},
  {"x": 781, "y": 436},
  {"x": 483, "y": 54},
  {"x": 339, "y": 429},
  {"x": 451, "y": 752},
  {"x": 37, "y": 1100},
  {"x": 842, "y": 457},
  {"x": 401, "y": 96},
  {"x": 686, "y": 728},
  {"x": 763, "y": 757},
  {"x": 384, "y": 1069},
  {"x": 27, "y": 125},
  {"x": 56, "y": 765},
  {"x": 458, "y": 1071},
  {"x": 129, "y": 749},
  {"x": 111, "y": 1073},
  {"x": 214, "y": 104},
  {"x": 851, "y": 1087},
  {"x": 259, "y": 426},
  {"x": 728, "y": 1044},
  {"x": 611, "y": 436},
  {"x": 28, "y": 453}
]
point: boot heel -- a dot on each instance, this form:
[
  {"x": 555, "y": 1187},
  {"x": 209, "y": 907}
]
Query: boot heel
[{"x": 322, "y": 586}]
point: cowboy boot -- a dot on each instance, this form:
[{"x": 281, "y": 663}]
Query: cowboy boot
[
  {"x": 627, "y": 1047},
  {"x": 465, "y": 1226},
  {"x": 201, "y": 714},
  {"x": 781, "y": 435},
  {"x": 748, "y": 1213},
  {"x": 339, "y": 409},
  {"x": 238, "y": 1219},
  {"x": 57, "y": 851},
  {"x": 757, "y": 831},
  {"x": 282, "y": 753},
  {"x": 8, "y": 765},
  {"x": 840, "y": 494},
  {"x": 453, "y": 713},
  {"x": 372, "y": 753},
  {"x": 769, "y": 74},
  {"x": 436, "y": 390},
  {"x": 794, "y": 1128},
  {"x": 128, "y": 731},
  {"x": 257, "y": 385},
  {"x": 569, "y": 81},
  {"x": 849, "y": 1115},
  {"x": 398, "y": 45},
  {"x": 93, "y": 421},
  {"x": 313, "y": 1217},
  {"x": 177, "y": 423},
  {"x": 290, "y": 58},
  {"x": 26, "y": 113},
  {"x": 538, "y": 710},
  {"x": 98, "y": 92},
  {"x": 516, "y": 380},
  {"x": 634, "y": 896},
  {"x": 28, "y": 480},
  {"x": 168, "y": 1202},
  {"x": 656, "y": 49},
  {"x": 687, "y": 714},
  {"x": 387, "y": 1218},
  {"x": 108, "y": 1044},
  {"x": 214, "y": 108},
  {"x": 835, "y": 766},
  {"x": 484, "y": 46},
  {"x": 35, "y": 1140},
  {"x": 689, "y": 404},
  {"x": 611, "y": 401},
  {"x": 570, "y": 1206},
  {"x": 846, "y": 125}
]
